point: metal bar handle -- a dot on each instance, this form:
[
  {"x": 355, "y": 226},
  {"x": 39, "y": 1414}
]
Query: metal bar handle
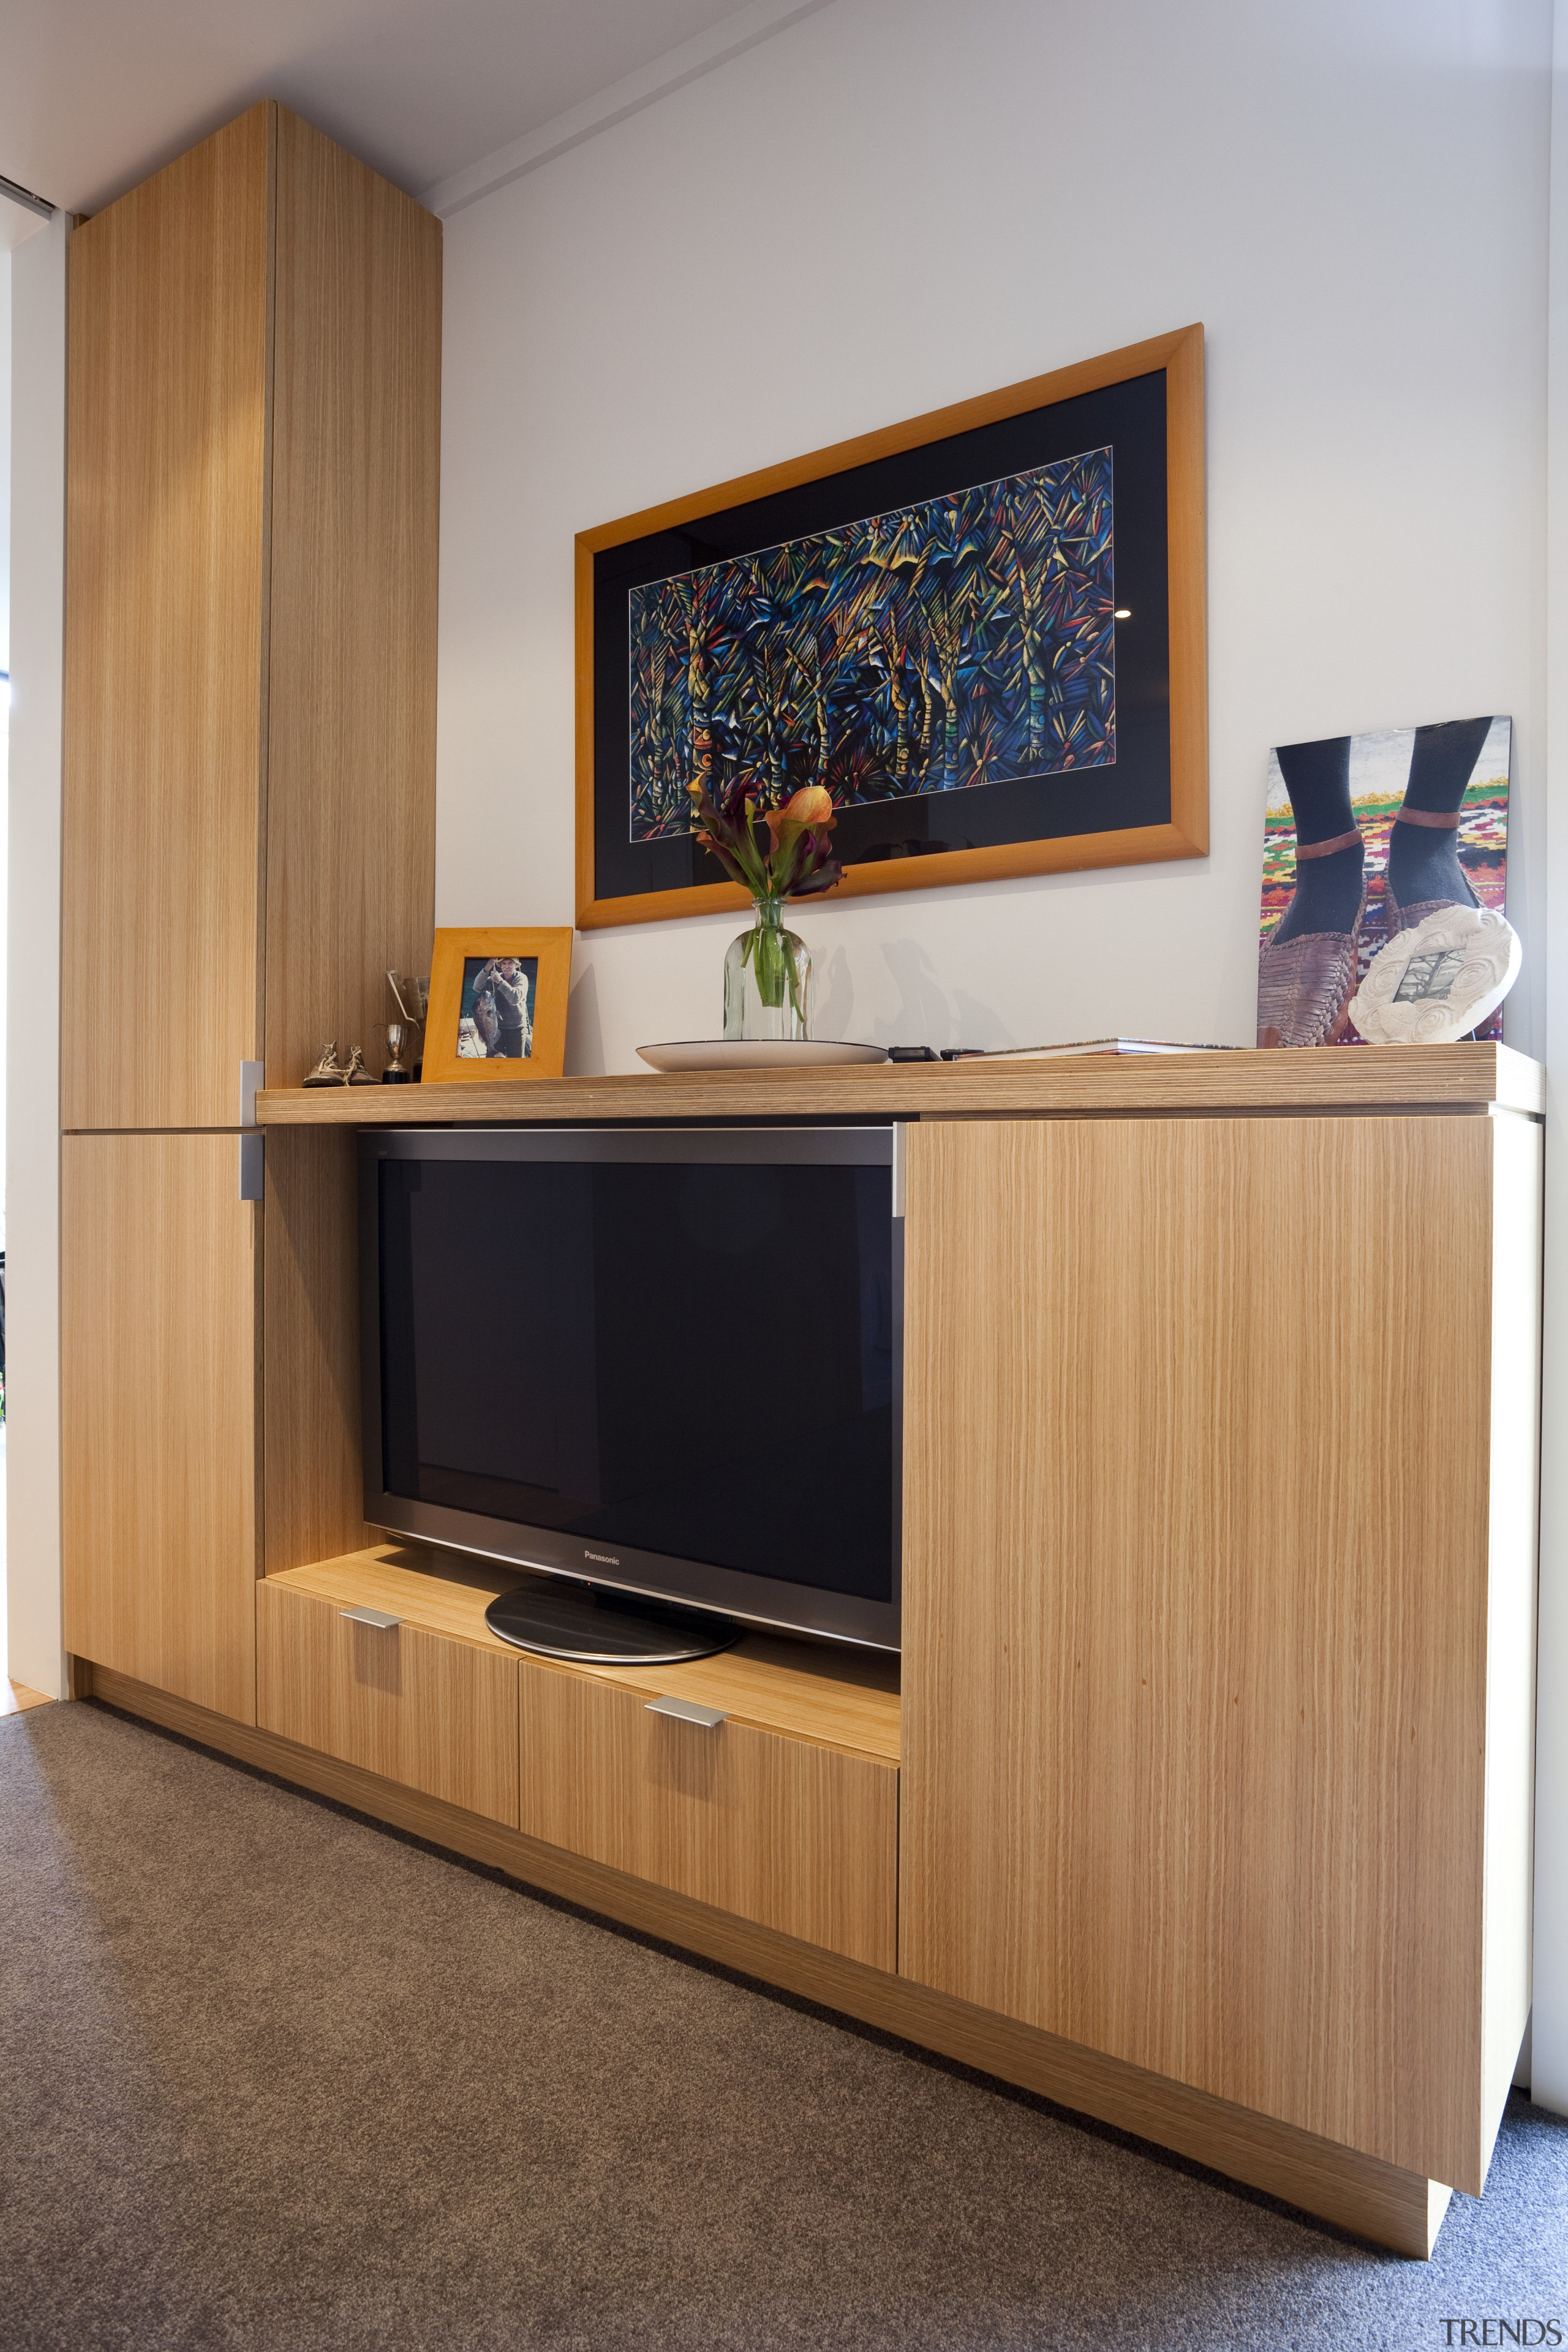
[
  {"x": 376, "y": 1617},
  {"x": 686, "y": 1710}
]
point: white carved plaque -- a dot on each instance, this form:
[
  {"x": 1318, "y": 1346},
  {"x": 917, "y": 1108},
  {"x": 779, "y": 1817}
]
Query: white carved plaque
[{"x": 1438, "y": 981}]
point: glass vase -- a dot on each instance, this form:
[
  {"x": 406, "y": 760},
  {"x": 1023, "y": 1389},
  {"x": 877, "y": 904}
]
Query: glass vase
[{"x": 767, "y": 979}]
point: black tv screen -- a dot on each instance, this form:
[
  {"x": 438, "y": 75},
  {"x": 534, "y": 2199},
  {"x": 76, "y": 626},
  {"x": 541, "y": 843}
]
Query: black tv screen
[{"x": 666, "y": 1361}]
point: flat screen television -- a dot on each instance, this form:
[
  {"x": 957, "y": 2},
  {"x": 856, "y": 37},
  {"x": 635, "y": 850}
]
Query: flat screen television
[{"x": 664, "y": 1362}]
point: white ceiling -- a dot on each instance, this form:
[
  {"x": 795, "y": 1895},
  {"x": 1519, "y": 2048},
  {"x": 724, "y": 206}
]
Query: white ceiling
[{"x": 94, "y": 94}]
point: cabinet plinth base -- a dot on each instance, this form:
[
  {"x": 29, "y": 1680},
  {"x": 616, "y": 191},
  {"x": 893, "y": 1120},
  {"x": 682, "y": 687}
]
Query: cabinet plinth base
[{"x": 1358, "y": 2193}]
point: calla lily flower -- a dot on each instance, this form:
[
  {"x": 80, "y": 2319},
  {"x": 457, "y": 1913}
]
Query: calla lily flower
[
  {"x": 798, "y": 862},
  {"x": 811, "y": 807}
]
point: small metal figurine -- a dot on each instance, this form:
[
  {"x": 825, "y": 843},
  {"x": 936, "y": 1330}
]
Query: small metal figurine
[
  {"x": 329, "y": 1071},
  {"x": 356, "y": 1075},
  {"x": 395, "y": 1073}
]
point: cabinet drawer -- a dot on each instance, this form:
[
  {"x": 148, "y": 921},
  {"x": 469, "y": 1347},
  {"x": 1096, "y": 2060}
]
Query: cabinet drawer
[
  {"x": 438, "y": 1716},
  {"x": 797, "y": 1836}
]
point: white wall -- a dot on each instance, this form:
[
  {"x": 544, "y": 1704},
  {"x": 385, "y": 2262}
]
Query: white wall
[
  {"x": 5, "y": 460},
  {"x": 898, "y": 203},
  {"x": 1549, "y": 2055},
  {"x": 5, "y": 657},
  {"x": 32, "y": 1172}
]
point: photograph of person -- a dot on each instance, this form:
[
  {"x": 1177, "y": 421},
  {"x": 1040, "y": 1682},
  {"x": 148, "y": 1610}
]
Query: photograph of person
[
  {"x": 495, "y": 1019},
  {"x": 1363, "y": 836}
]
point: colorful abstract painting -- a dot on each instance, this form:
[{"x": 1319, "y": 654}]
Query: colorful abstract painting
[
  {"x": 967, "y": 640},
  {"x": 1380, "y": 767}
]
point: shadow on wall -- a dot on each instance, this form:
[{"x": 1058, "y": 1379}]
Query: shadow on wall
[
  {"x": 584, "y": 1030},
  {"x": 835, "y": 995},
  {"x": 926, "y": 1015}
]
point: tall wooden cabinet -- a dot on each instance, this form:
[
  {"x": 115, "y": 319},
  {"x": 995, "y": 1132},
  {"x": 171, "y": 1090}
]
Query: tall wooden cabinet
[{"x": 249, "y": 840}]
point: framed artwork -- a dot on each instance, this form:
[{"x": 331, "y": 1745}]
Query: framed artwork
[
  {"x": 497, "y": 1004},
  {"x": 983, "y": 630},
  {"x": 1366, "y": 838}
]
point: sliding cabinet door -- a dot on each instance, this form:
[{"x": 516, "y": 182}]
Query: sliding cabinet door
[
  {"x": 1196, "y": 1603},
  {"x": 159, "y": 1423}
]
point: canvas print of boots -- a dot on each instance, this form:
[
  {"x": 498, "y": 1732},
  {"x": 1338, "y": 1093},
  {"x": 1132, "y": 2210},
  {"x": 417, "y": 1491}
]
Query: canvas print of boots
[{"x": 1363, "y": 836}]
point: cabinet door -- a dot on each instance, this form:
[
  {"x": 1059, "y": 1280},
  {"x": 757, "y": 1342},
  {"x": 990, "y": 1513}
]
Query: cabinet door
[
  {"x": 159, "y": 1425},
  {"x": 1195, "y": 1530},
  {"x": 164, "y": 641}
]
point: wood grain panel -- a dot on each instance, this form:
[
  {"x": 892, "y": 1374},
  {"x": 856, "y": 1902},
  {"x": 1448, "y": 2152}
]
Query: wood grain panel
[
  {"x": 351, "y": 817},
  {"x": 436, "y": 1715},
  {"x": 837, "y": 1697},
  {"x": 1375, "y": 2200},
  {"x": 440, "y": 1590},
  {"x": 1196, "y": 1570},
  {"x": 834, "y": 1695},
  {"x": 314, "y": 1489},
  {"x": 1436, "y": 1077},
  {"x": 164, "y": 641},
  {"x": 1513, "y": 1551},
  {"x": 159, "y": 1393},
  {"x": 1188, "y": 588},
  {"x": 797, "y": 1837}
]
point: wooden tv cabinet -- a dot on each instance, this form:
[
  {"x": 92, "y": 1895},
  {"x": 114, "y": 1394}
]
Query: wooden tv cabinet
[{"x": 1201, "y": 1803}]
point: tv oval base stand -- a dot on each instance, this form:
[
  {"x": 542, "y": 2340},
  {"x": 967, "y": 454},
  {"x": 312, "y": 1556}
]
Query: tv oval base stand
[
  {"x": 1201, "y": 1803},
  {"x": 601, "y": 1626}
]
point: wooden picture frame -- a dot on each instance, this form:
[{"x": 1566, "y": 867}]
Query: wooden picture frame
[
  {"x": 1183, "y": 829},
  {"x": 452, "y": 1035}
]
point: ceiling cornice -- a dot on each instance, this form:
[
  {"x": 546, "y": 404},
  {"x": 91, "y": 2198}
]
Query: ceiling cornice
[{"x": 748, "y": 27}]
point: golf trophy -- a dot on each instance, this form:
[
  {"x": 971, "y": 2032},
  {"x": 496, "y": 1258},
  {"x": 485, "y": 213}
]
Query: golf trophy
[
  {"x": 396, "y": 1073},
  {"x": 407, "y": 1033}
]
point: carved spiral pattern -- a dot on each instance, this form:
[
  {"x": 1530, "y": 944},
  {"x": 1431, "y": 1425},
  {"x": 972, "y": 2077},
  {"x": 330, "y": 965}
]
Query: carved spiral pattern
[{"x": 1489, "y": 955}]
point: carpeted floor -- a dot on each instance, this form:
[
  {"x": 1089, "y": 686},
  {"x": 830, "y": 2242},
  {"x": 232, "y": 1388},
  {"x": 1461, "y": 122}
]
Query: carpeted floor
[{"x": 273, "y": 2078}]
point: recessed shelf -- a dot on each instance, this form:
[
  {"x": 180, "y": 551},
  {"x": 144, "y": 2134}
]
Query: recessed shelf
[{"x": 834, "y": 1694}]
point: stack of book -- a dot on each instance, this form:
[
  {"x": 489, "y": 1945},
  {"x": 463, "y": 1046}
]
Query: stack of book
[{"x": 1084, "y": 1045}]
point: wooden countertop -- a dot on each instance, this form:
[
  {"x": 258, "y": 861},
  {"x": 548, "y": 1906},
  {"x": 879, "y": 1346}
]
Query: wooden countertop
[
  {"x": 1370, "y": 1077},
  {"x": 830, "y": 1693}
]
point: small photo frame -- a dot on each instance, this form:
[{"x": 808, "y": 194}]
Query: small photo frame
[{"x": 497, "y": 1005}]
